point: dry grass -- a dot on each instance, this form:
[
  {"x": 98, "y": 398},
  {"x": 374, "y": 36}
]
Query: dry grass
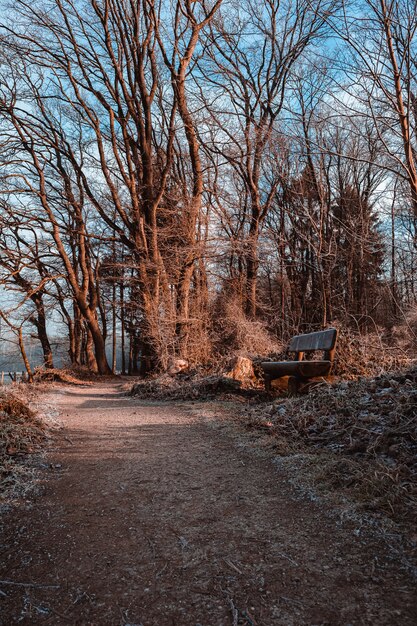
[
  {"x": 236, "y": 334},
  {"x": 369, "y": 354},
  {"x": 21, "y": 434},
  {"x": 358, "y": 438}
]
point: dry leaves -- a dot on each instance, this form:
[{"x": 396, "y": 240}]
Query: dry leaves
[{"x": 21, "y": 434}]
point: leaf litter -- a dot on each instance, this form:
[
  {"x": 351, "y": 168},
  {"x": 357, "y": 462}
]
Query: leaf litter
[{"x": 22, "y": 434}]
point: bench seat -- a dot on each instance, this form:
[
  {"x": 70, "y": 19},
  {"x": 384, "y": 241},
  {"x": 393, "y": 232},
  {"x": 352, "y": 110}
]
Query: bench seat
[{"x": 302, "y": 369}]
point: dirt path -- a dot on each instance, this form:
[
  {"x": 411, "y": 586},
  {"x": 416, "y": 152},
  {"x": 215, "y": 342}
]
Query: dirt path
[{"x": 151, "y": 517}]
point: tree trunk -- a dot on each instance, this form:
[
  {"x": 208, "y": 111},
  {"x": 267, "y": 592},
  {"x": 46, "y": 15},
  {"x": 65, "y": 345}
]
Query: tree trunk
[
  {"x": 114, "y": 320},
  {"x": 99, "y": 345},
  {"x": 40, "y": 324},
  {"x": 89, "y": 353},
  {"x": 78, "y": 335},
  {"x": 252, "y": 266},
  {"x": 122, "y": 329},
  {"x": 24, "y": 356},
  {"x": 183, "y": 310}
]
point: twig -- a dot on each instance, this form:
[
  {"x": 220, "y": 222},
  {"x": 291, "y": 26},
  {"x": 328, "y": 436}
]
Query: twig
[
  {"x": 291, "y": 600},
  {"x": 35, "y": 585},
  {"x": 162, "y": 570},
  {"x": 249, "y": 618},
  {"x": 152, "y": 546},
  {"x": 285, "y": 556},
  {"x": 235, "y": 612},
  {"x": 68, "y": 618},
  {"x": 233, "y": 566}
]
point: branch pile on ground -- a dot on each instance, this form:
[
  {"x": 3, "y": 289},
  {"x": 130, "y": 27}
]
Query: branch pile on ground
[
  {"x": 359, "y": 438},
  {"x": 69, "y": 377},
  {"x": 167, "y": 387}
]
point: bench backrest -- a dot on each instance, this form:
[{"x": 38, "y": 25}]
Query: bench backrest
[{"x": 322, "y": 340}]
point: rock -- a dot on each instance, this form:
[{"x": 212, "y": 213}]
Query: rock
[
  {"x": 241, "y": 369},
  {"x": 176, "y": 366}
]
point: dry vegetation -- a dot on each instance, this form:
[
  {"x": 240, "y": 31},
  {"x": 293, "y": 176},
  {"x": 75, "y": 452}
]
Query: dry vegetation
[
  {"x": 21, "y": 434},
  {"x": 71, "y": 376},
  {"x": 230, "y": 375},
  {"x": 180, "y": 388},
  {"x": 356, "y": 438},
  {"x": 234, "y": 333},
  {"x": 240, "y": 340},
  {"x": 372, "y": 353}
]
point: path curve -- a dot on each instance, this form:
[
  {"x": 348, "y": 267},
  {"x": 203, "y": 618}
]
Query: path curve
[{"x": 151, "y": 517}]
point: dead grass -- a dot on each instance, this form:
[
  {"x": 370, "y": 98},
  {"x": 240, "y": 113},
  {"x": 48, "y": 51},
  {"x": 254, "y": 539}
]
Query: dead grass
[
  {"x": 21, "y": 434},
  {"x": 357, "y": 438},
  {"x": 370, "y": 354},
  {"x": 234, "y": 333}
]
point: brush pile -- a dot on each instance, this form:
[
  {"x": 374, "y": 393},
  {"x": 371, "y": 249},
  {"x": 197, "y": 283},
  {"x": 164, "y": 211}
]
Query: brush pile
[
  {"x": 166, "y": 387},
  {"x": 69, "y": 377},
  {"x": 21, "y": 434},
  {"x": 359, "y": 438}
]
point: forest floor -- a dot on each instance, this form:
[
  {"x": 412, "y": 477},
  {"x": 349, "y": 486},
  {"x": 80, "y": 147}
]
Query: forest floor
[{"x": 160, "y": 514}]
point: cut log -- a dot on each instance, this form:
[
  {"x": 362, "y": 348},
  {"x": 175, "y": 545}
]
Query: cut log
[{"x": 241, "y": 369}]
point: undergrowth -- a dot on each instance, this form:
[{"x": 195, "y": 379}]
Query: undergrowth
[
  {"x": 21, "y": 434},
  {"x": 72, "y": 376},
  {"x": 358, "y": 438}
]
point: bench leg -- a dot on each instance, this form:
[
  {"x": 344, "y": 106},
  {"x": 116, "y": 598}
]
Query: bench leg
[
  {"x": 293, "y": 385},
  {"x": 267, "y": 382}
]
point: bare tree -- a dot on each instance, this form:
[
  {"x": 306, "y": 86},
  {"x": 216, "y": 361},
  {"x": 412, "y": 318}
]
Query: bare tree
[
  {"x": 253, "y": 49},
  {"x": 23, "y": 263},
  {"x": 381, "y": 63}
]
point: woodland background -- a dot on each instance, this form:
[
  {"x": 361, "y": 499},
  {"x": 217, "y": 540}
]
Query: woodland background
[{"x": 198, "y": 179}]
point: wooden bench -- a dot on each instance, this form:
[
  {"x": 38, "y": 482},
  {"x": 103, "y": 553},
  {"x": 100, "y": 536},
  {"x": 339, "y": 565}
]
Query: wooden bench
[{"x": 300, "y": 371}]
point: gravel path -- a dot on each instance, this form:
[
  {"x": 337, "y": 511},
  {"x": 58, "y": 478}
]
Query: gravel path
[{"x": 150, "y": 516}]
